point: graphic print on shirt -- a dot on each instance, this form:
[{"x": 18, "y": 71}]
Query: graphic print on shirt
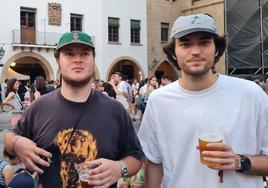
[{"x": 82, "y": 147}]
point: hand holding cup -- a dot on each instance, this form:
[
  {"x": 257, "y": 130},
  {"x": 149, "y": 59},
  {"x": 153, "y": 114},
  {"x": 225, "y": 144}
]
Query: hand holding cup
[
  {"x": 209, "y": 134},
  {"x": 82, "y": 169}
]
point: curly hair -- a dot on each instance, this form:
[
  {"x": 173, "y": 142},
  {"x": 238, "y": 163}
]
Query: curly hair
[{"x": 220, "y": 43}]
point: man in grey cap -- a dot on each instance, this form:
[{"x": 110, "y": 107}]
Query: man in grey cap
[{"x": 204, "y": 106}]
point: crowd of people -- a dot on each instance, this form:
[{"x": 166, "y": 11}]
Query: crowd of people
[
  {"x": 15, "y": 92},
  {"x": 131, "y": 93},
  {"x": 90, "y": 122}
]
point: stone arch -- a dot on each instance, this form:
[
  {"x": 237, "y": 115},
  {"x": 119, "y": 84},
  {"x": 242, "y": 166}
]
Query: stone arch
[
  {"x": 138, "y": 71},
  {"x": 49, "y": 73}
]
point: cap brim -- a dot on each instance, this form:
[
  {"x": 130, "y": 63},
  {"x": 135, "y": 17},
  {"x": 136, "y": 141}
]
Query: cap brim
[
  {"x": 193, "y": 30},
  {"x": 75, "y": 42}
]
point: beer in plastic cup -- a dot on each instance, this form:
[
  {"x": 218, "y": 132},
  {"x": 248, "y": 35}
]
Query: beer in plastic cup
[
  {"x": 82, "y": 170},
  {"x": 204, "y": 139}
]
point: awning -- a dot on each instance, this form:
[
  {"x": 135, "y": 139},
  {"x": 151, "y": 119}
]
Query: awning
[{"x": 10, "y": 73}]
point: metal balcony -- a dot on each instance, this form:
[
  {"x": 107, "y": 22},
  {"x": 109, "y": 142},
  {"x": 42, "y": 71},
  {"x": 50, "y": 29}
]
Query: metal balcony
[{"x": 41, "y": 39}]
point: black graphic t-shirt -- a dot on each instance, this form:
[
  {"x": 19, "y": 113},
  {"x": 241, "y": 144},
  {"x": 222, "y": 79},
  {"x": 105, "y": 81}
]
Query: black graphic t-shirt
[{"x": 105, "y": 131}]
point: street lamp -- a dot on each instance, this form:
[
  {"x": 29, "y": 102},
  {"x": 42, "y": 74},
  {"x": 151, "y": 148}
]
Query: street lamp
[{"x": 2, "y": 52}]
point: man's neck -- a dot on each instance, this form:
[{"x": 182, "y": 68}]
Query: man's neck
[
  {"x": 194, "y": 83},
  {"x": 75, "y": 94}
]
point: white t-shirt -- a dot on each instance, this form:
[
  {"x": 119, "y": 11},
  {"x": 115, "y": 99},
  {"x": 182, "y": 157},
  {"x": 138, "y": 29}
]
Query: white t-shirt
[
  {"x": 169, "y": 130},
  {"x": 122, "y": 88},
  {"x": 143, "y": 90},
  {"x": 136, "y": 86}
]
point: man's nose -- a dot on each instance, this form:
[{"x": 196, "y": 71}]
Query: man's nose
[
  {"x": 195, "y": 50},
  {"x": 77, "y": 58}
]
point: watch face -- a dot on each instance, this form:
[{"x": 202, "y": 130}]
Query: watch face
[
  {"x": 245, "y": 163},
  {"x": 124, "y": 171}
]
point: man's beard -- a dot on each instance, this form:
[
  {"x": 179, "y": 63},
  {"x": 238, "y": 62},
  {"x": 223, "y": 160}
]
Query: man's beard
[
  {"x": 197, "y": 73},
  {"x": 76, "y": 83}
]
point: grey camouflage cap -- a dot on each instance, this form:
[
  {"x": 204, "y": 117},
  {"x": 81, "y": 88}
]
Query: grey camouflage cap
[{"x": 185, "y": 25}]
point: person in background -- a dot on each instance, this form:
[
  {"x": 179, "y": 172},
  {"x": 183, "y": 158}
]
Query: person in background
[
  {"x": 135, "y": 84},
  {"x": 152, "y": 84},
  {"x": 120, "y": 88},
  {"x": 57, "y": 83},
  {"x": 99, "y": 85},
  {"x": 174, "y": 114},
  {"x": 22, "y": 90},
  {"x": 4, "y": 89},
  {"x": 50, "y": 86},
  {"x": 165, "y": 80},
  {"x": 134, "y": 98},
  {"x": 108, "y": 88},
  {"x": 76, "y": 124},
  {"x": 12, "y": 97},
  {"x": 40, "y": 88},
  {"x": 6, "y": 170},
  {"x": 148, "y": 88},
  {"x": 144, "y": 93},
  {"x": 40, "y": 85},
  {"x": 129, "y": 93},
  {"x": 93, "y": 84}
]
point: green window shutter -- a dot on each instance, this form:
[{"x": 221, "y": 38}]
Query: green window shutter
[
  {"x": 25, "y": 9},
  {"x": 135, "y": 24},
  {"x": 164, "y": 25},
  {"x": 114, "y": 22}
]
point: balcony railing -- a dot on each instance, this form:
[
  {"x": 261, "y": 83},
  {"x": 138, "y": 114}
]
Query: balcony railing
[{"x": 41, "y": 38}]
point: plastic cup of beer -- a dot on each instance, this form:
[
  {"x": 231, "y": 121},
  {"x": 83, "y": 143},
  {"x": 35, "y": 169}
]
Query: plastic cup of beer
[
  {"x": 207, "y": 136},
  {"x": 82, "y": 170}
]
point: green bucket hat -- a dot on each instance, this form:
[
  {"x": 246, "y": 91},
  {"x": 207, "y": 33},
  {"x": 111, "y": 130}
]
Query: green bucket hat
[{"x": 75, "y": 37}]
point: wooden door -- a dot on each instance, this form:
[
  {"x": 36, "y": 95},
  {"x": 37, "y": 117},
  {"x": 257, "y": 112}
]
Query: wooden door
[{"x": 28, "y": 30}]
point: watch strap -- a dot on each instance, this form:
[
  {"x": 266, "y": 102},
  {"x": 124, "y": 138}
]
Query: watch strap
[{"x": 238, "y": 162}]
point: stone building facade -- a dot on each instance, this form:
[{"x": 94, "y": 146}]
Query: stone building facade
[{"x": 28, "y": 37}]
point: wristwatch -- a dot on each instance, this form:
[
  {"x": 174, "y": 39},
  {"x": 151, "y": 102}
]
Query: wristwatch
[
  {"x": 124, "y": 169},
  {"x": 244, "y": 163}
]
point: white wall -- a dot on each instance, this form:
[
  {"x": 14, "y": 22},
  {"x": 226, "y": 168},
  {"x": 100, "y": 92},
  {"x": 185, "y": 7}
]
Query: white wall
[
  {"x": 96, "y": 15},
  {"x": 125, "y": 10}
]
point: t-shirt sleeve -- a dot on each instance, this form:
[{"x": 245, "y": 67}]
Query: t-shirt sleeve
[
  {"x": 263, "y": 124},
  {"x": 122, "y": 87},
  {"x": 148, "y": 136},
  {"x": 130, "y": 144},
  {"x": 23, "y": 127}
]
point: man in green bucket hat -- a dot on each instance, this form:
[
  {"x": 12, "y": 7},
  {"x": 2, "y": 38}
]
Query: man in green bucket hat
[{"x": 75, "y": 124}]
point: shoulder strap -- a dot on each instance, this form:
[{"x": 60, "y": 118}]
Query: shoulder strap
[
  {"x": 74, "y": 129},
  {"x": 76, "y": 124}
]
